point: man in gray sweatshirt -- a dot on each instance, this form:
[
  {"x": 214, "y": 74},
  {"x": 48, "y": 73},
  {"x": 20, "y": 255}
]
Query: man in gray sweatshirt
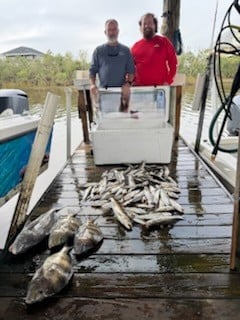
[{"x": 112, "y": 62}]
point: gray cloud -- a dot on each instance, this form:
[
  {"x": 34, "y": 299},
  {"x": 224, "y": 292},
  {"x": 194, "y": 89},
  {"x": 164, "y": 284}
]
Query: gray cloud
[{"x": 73, "y": 25}]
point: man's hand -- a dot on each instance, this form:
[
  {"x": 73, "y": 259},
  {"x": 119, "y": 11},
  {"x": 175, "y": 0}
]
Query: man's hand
[{"x": 94, "y": 92}]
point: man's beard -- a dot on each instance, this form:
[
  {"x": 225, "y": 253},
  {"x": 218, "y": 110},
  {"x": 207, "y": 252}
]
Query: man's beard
[
  {"x": 148, "y": 33},
  {"x": 112, "y": 39}
]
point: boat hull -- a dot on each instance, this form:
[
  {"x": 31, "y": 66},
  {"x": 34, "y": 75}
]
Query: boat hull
[{"x": 16, "y": 139}]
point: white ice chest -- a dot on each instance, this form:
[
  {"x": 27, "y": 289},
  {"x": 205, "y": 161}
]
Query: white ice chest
[{"x": 119, "y": 138}]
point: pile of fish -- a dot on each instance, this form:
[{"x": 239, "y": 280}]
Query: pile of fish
[
  {"x": 144, "y": 194},
  {"x": 63, "y": 229}
]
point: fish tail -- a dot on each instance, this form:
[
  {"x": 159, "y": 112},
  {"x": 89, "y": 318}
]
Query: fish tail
[{"x": 68, "y": 245}]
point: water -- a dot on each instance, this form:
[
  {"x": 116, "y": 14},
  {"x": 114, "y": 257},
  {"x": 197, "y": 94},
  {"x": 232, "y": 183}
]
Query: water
[
  {"x": 36, "y": 95},
  {"x": 190, "y": 118}
]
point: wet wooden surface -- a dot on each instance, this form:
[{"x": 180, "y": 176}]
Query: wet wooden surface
[{"x": 177, "y": 273}]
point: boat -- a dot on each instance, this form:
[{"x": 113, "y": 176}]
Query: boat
[{"x": 17, "y": 132}]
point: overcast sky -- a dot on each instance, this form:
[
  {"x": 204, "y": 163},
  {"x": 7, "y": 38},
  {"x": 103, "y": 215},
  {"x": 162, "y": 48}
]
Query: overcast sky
[{"x": 74, "y": 25}]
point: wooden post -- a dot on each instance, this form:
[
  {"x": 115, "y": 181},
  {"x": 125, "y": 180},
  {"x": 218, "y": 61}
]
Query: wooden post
[
  {"x": 171, "y": 18},
  {"x": 34, "y": 163},
  {"x": 178, "y": 111},
  {"x": 236, "y": 221},
  {"x": 83, "y": 115},
  {"x": 198, "y": 92},
  {"x": 89, "y": 106},
  {"x": 203, "y": 103},
  {"x": 176, "y": 102},
  {"x": 172, "y": 106},
  {"x": 68, "y": 93},
  {"x": 170, "y": 24}
]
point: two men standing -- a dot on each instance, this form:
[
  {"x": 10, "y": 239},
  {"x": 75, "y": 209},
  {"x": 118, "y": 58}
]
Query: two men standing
[{"x": 151, "y": 61}]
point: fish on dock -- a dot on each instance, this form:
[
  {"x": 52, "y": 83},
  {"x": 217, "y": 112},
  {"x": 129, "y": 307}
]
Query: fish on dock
[
  {"x": 120, "y": 214},
  {"x": 163, "y": 220},
  {"x": 33, "y": 232},
  {"x": 63, "y": 230},
  {"x": 87, "y": 238},
  {"x": 51, "y": 277}
]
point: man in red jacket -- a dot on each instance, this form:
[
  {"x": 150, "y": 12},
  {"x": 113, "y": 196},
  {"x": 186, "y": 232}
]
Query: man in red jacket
[{"x": 154, "y": 56}]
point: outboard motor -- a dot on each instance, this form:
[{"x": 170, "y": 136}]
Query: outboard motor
[
  {"x": 14, "y": 99},
  {"x": 233, "y": 124}
]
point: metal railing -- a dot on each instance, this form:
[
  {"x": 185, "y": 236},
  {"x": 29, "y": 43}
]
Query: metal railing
[{"x": 68, "y": 94}]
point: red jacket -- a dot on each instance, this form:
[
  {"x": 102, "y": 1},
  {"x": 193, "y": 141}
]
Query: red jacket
[{"x": 155, "y": 61}]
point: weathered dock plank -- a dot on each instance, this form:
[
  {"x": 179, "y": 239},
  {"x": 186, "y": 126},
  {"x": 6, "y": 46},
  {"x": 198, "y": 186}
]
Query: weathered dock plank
[
  {"x": 153, "y": 262},
  {"x": 76, "y": 308},
  {"x": 137, "y": 286}
]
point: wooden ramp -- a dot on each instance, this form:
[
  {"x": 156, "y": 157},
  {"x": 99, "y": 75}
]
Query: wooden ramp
[{"x": 180, "y": 273}]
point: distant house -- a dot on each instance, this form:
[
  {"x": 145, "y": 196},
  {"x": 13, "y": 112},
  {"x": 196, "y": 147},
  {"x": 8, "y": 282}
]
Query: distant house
[{"x": 23, "y": 52}]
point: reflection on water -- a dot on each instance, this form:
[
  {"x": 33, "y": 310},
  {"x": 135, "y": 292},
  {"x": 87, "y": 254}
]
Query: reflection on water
[
  {"x": 60, "y": 112},
  {"x": 37, "y": 97},
  {"x": 195, "y": 198}
]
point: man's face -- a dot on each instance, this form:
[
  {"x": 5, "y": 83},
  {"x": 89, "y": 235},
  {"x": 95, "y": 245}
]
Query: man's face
[
  {"x": 111, "y": 31},
  {"x": 147, "y": 27}
]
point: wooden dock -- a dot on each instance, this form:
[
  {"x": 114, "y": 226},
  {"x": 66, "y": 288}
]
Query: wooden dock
[{"x": 180, "y": 273}]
